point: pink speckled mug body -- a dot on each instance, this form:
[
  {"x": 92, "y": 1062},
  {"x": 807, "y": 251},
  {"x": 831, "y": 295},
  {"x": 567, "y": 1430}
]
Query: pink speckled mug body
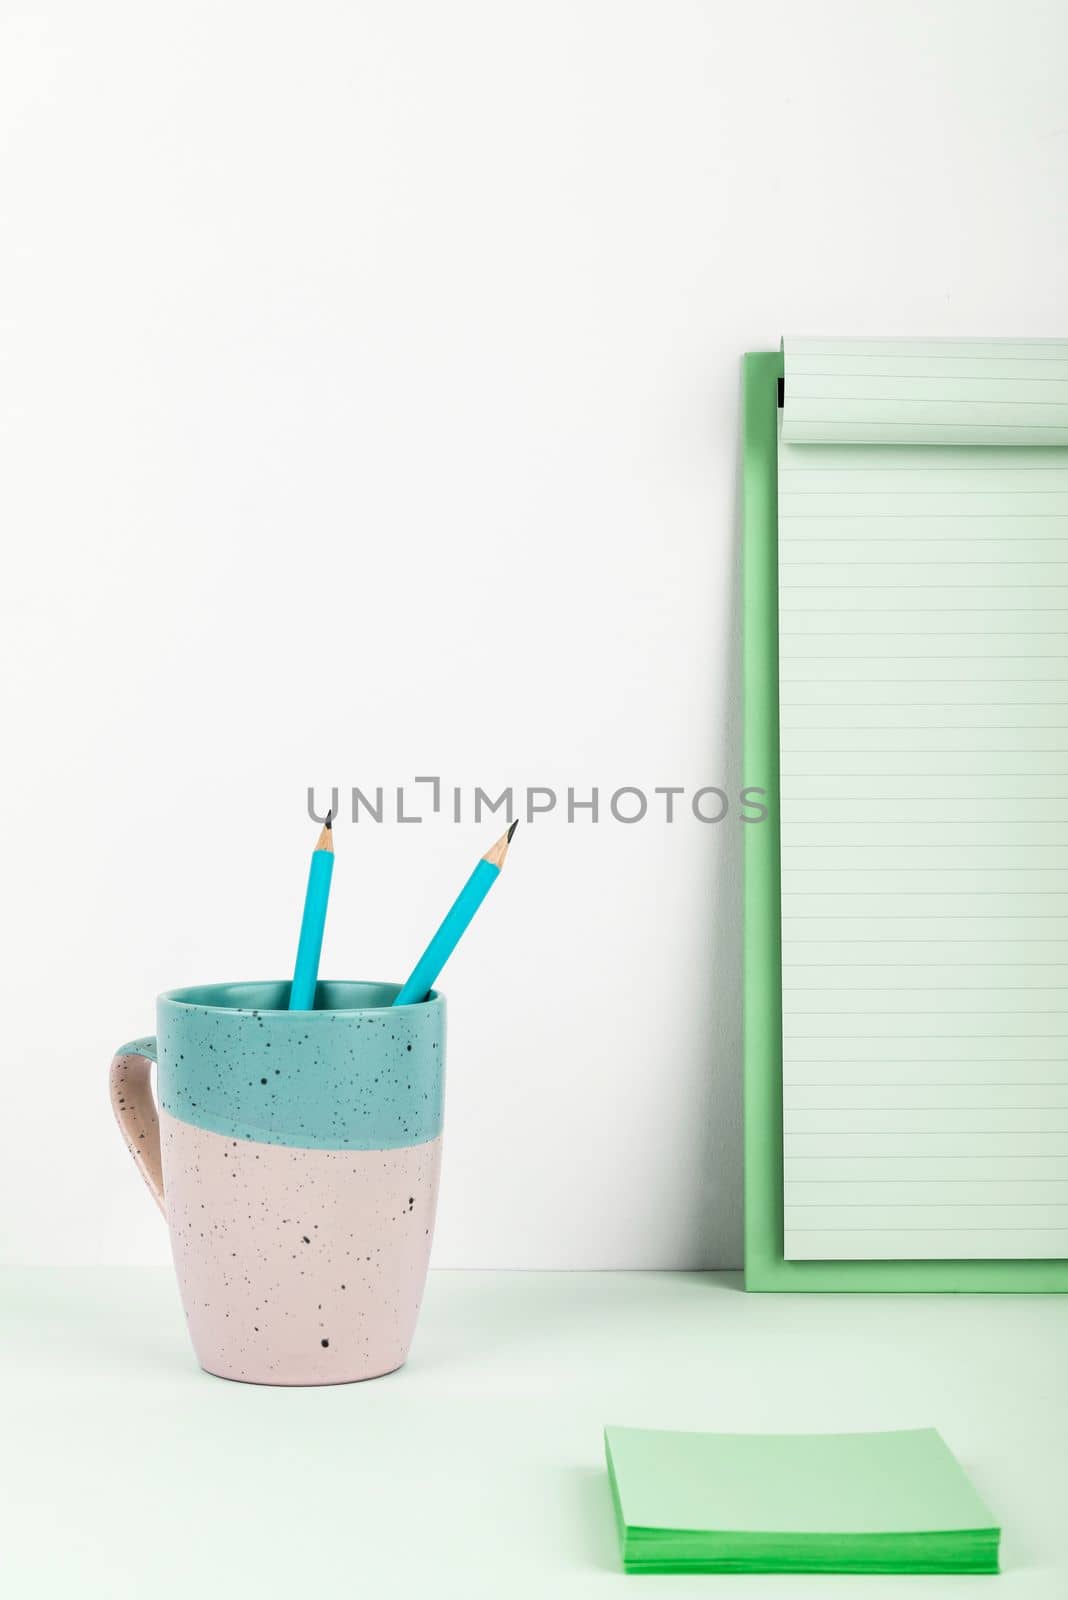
[
  {"x": 300, "y": 1258},
  {"x": 298, "y": 1266}
]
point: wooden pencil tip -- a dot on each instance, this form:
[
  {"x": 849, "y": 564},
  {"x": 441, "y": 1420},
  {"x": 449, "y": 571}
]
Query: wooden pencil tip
[
  {"x": 496, "y": 853},
  {"x": 329, "y": 815},
  {"x": 325, "y": 840}
]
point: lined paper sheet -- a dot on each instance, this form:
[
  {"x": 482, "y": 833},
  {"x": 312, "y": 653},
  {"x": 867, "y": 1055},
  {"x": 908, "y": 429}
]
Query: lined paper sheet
[{"x": 924, "y": 816}]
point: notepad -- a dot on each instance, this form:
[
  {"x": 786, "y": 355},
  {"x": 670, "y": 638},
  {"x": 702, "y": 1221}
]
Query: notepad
[
  {"x": 923, "y": 727},
  {"x": 854, "y": 1502}
]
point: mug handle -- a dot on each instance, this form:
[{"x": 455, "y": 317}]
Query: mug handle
[{"x": 135, "y": 1111}]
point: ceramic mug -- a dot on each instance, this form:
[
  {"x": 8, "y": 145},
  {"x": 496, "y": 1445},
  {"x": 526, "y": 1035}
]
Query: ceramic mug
[{"x": 295, "y": 1157}]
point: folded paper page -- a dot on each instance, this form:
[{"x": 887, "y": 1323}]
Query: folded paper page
[
  {"x": 855, "y": 1502},
  {"x": 973, "y": 392},
  {"x": 923, "y": 687}
]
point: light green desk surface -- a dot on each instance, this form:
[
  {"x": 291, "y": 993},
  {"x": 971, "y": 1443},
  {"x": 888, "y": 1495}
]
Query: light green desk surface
[{"x": 478, "y": 1471}]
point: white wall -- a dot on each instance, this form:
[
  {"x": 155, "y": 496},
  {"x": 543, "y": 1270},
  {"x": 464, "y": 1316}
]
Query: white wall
[{"x": 369, "y": 381}]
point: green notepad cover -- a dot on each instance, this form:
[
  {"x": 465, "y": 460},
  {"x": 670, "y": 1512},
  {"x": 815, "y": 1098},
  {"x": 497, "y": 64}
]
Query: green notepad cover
[{"x": 862, "y": 1502}]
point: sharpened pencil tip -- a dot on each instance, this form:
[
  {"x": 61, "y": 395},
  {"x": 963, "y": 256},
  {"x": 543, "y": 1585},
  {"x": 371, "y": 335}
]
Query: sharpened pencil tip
[
  {"x": 329, "y": 816},
  {"x": 496, "y": 853}
]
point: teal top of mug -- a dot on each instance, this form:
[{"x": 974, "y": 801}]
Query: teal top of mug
[{"x": 355, "y": 1073}]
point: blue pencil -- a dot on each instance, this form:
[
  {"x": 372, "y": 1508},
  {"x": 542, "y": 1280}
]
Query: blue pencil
[
  {"x": 306, "y": 971},
  {"x": 459, "y": 914}
]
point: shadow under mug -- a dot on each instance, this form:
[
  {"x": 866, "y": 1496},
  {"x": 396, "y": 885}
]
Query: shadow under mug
[{"x": 295, "y": 1157}]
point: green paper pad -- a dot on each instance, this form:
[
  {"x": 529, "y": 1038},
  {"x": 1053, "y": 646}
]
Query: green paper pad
[{"x": 845, "y": 1502}]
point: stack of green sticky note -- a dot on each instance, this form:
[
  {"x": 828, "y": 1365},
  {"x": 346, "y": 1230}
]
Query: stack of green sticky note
[{"x": 845, "y": 1502}]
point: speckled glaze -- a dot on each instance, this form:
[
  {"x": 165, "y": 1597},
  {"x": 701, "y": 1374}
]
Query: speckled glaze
[
  {"x": 295, "y": 1156},
  {"x": 357, "y": 1073},
  {"x": 298, "y": 1266}
]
